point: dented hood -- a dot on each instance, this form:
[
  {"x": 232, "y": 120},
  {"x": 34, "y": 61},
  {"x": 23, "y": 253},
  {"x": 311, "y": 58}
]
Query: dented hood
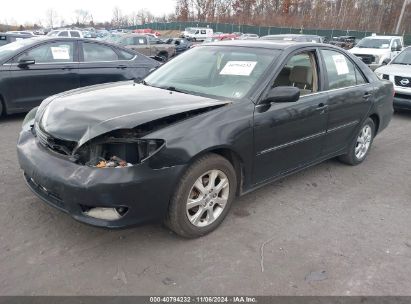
[{"x": 83, "y": 114}]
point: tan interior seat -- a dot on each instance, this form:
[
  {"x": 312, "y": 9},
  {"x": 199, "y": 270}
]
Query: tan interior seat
[{"x": 302, "y": 78}]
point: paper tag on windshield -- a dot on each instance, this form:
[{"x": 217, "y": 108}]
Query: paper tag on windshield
[
  {"x": 141, "y": 41},
  {"x": 238, "y": 68},
  {"x": 60, "y": 53},
  {"x": 341, "y": 64}
]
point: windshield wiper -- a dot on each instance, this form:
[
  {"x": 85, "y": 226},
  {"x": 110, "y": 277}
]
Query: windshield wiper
[{"x": 174, "y": 89}]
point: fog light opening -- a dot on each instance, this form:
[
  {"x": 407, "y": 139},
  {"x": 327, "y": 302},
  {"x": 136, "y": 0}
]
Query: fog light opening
[{"x": 108, "y": 214}]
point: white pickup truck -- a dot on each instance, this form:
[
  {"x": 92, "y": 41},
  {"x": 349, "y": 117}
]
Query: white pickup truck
[{"x": 374, "y": 50}]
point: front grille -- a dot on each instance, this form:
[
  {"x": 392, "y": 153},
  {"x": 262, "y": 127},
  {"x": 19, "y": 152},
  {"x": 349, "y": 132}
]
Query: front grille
[
  {"x": 60, "y": 146},
  {"x": 403, "y": 81},
  {"x": 402, "y": 96},
  {"x": 367, "y": 59}
]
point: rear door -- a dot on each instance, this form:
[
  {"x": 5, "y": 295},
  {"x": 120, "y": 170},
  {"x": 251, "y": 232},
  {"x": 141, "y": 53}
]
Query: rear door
[
  {"x": 102, "y": 63},
  {"x": 350, "y": 98},
  {"x": 55, "y": 71}
]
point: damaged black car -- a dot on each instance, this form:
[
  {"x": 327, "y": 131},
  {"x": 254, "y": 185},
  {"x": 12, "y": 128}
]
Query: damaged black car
[{"x": 212, "y": 124}]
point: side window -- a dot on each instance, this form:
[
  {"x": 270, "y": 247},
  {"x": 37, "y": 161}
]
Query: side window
[
  {"x": 63, "y": 34},
  {"x": 125, "y": 55},
  {"x": 127, "y": 41},
  {"x": 397, "y": 43},
  {"x": 51, "y": 52},
  {"x": 3, "y": 40},
  {"x": 203, "y": 31},
  {"x": 340, "y": 70},
  {"x": 74, "y": 34},
  {"x": 96, "y": 52},
  {"x": 360, "y": 77},
  {"x": 301, "y": 72},
  {"x": 140, "y": 40}
]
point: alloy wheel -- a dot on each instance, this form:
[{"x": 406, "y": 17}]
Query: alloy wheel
[
  {"x": 207, "y": 198},
  {"x": 363, "y": 142}
]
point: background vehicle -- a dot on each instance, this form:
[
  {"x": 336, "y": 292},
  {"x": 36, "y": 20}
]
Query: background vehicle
[
  {"x": 66, "y": 33},
  {"x": 345, "y": 42},
  {"x": 374, "y": 50},
  {"x": 248, "y": 37},
  {"x": 181, "y": 44},
  {"x": 214, "y": 123},
  {"x": 198, "y": 33},
  {"x": 294, "y": 37},
  {"x": 398, "y": 71},
  {"x": 26, "y": 33},
  {"x": 6, "y": 38},
  {"x": 33, "y": 69},
  {"x": 146, "y": 45}
]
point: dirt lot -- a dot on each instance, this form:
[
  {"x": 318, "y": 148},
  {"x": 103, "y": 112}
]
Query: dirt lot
[{"x": 330, "y": 230}]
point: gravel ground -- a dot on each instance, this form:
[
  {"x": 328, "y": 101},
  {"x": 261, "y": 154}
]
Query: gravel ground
[{"x": 329, "y": 230}]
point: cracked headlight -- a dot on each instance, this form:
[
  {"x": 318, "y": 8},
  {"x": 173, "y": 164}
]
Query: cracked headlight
[{"x": 111, "y": 152}]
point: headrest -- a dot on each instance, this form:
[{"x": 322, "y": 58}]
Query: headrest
[{"x": 301, "y": 74}]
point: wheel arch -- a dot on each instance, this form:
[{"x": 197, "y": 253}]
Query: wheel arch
[
  {"x": 233, "y": 157},
  {"x": 376, "y": 119},
  {"x": 3, "y": 106}
]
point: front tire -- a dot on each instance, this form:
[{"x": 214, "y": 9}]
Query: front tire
[
  {"x": 361, "y": 144},
  {"x": 203, "y": 197}
]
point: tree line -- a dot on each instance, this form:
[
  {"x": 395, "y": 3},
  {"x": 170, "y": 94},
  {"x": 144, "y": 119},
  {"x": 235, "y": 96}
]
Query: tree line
[
  {"x": 363, "y": 15},
  {"x": 379, "y": 16}
]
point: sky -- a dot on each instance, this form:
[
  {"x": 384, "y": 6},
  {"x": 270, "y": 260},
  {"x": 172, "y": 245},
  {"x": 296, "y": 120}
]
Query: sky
[{"x": 30, "y": 11}]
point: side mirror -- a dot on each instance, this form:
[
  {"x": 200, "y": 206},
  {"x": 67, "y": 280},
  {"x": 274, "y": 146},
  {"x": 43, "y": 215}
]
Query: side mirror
[
  {"x": 26, "y": 61},
  {"x": 282, "y": 94},
  {"x": 386, "y": 61}
]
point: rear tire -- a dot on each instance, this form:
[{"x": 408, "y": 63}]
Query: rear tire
[
  {"x": 2, "y": 108},
  {"x": 203, "y": 197},
  {"x": 361, "y": 144}
]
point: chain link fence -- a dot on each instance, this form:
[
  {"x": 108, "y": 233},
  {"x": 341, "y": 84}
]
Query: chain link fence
[{"x": 260, "y": 30}]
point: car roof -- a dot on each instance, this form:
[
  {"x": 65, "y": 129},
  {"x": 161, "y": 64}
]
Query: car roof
[
  {"x": 293, "y": 35},
  {"x": 385, "y": 37},
  {"x": 267, "y": 44},
  {"x": 15, "y": 34}
]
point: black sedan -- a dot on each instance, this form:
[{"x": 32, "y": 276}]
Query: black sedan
[
  {"x": 181, "y": 44},
  {"x": 34, "y": 69},
  {"x": 214, "y": 123},
  {"x": 6, "y": 38}
]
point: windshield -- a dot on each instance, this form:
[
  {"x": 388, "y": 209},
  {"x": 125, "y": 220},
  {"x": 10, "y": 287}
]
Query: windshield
[
  {"x": 217, "y": 71},
  {"x": 371, "y": 43},
  {"x": 12, "y": 48},
  {"x": 404, "y": 57}
]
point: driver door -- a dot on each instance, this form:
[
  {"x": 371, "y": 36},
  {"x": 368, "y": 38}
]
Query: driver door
[{"x": 288, "y": 136}]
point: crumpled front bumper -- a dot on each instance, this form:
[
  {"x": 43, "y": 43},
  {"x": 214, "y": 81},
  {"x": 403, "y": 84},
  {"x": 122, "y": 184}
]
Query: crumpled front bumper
[{"x": 69, "y": 187}]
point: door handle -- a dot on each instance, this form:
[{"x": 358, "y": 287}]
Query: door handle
[
  {"x": 67, "y": 68},
  {"x": 367, "y": 95},
  {"x": 122, "y": 67},
  {"x": 322, "y": 107}
]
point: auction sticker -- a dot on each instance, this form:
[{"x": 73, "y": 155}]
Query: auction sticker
[
  {"x": 341, "y": 64},
  {"x": 60, "y": 53},
  {"x": 238, "y": 68}
]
